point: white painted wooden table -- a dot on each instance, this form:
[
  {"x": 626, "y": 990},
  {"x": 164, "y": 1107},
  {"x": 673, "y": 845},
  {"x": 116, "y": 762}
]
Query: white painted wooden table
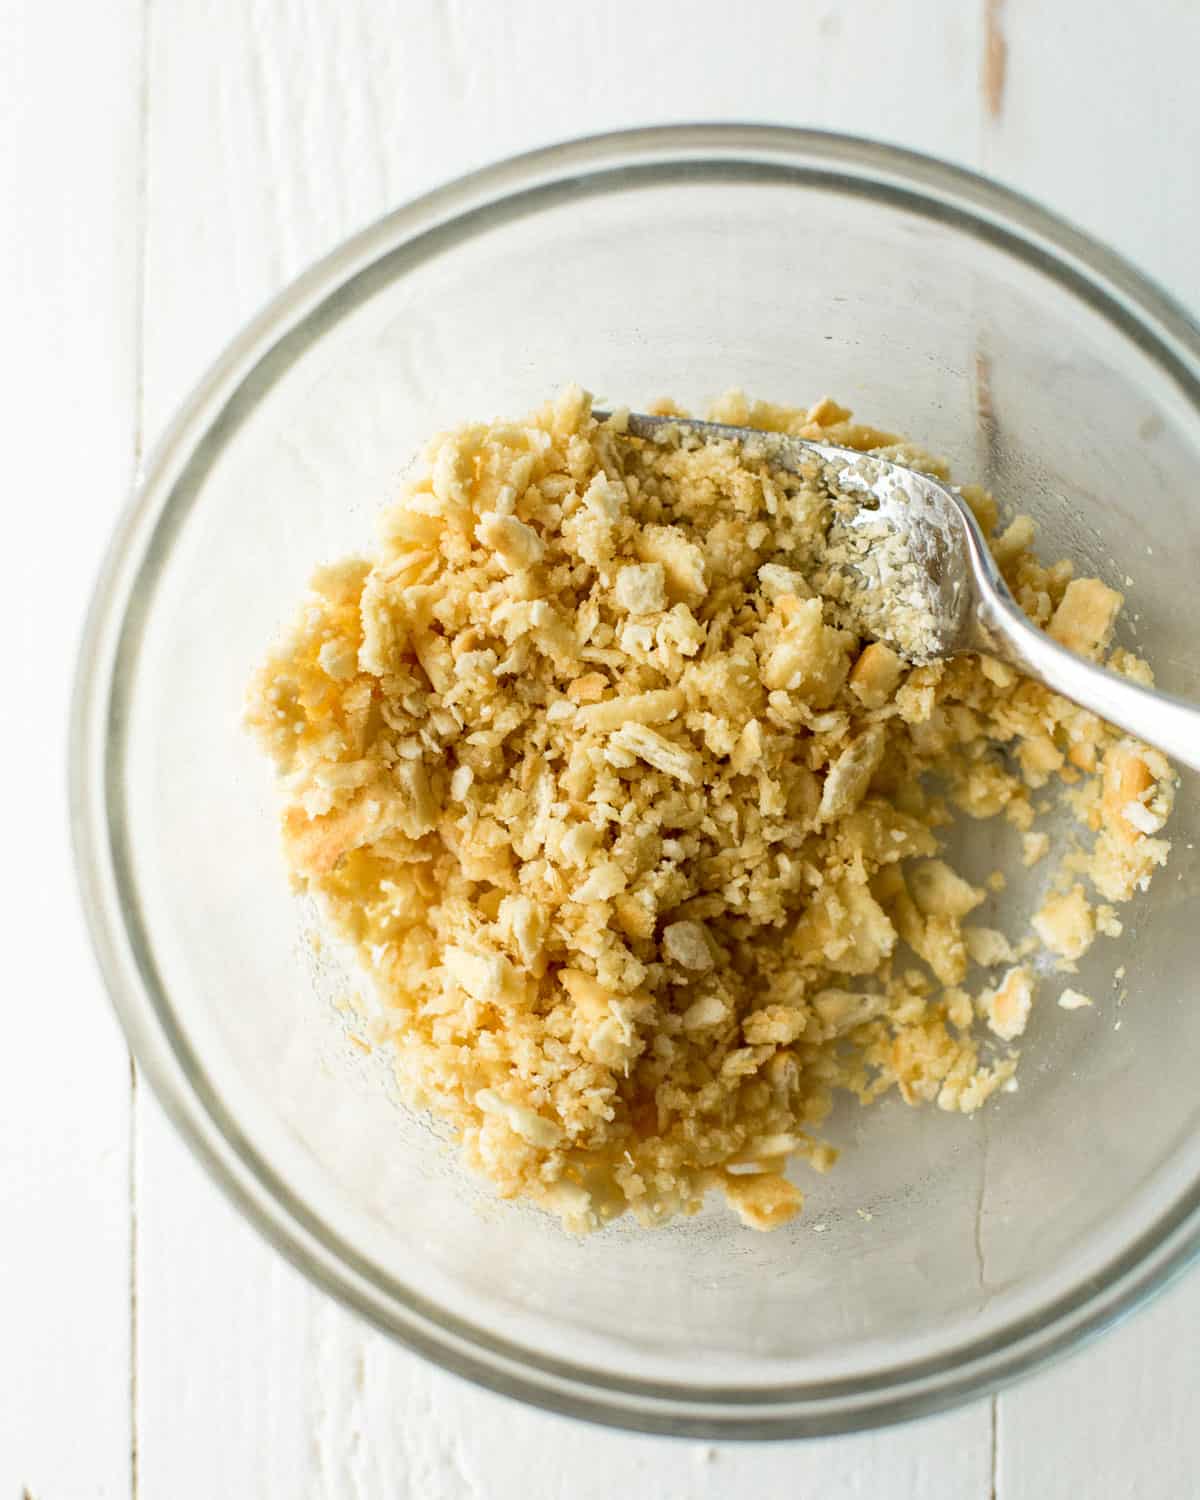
[{"x": 169, "y": 164}]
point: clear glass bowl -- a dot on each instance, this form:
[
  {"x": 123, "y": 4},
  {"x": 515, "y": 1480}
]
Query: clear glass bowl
[{"x": 678, "y": 261}]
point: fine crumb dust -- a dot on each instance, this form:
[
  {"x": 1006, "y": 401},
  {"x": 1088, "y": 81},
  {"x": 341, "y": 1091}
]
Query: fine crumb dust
[{"x": 639, "y": 845}]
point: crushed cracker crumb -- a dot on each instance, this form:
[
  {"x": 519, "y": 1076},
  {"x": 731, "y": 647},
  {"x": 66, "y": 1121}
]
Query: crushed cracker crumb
[{"x": 632, "y": 821}]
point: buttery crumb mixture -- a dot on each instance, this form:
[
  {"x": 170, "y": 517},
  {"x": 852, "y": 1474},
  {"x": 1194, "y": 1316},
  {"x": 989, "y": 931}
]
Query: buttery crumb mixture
[{"x": 639, "y": 844}]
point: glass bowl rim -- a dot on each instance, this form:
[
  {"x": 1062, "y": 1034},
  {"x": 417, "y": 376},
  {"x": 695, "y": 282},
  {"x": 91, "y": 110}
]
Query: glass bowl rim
[{"x": 448, "y": 215}]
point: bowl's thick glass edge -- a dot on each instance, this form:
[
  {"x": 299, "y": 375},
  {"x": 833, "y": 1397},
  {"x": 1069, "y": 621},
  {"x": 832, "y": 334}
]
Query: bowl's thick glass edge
[{"x": 1158, "y": 325}]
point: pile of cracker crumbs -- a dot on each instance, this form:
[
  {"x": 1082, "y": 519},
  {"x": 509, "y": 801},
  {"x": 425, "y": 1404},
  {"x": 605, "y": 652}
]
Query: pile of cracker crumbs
[{"x": 640, "y": 850}]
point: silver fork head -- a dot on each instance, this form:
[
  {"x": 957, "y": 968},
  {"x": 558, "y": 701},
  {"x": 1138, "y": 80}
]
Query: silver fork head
[{"x": 908, "y": 544}]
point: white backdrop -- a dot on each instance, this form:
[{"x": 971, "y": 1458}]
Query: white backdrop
[{"x": 166, "y": 166}]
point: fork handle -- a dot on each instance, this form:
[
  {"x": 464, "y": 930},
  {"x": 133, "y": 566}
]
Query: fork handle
[{"x": 1170, "y": 724}]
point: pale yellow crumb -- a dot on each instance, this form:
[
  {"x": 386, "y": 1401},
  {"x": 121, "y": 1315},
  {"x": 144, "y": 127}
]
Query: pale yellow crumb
[
  {"x": 1107, "y": 921},
  {"x": 1067, "y": 923},
  {"x": 987, "y": 946},
  {"x": 1084, "y": 619},
  {"x": 1034, "y": 847},
  {"x": 1073, "y": 1000},
  {"x": 1007, "y": 1007}
]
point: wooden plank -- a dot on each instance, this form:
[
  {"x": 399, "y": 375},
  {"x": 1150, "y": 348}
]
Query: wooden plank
[
  {"x": 275, "y": 128},
  {"x": 225, "y": 1339},
  {"x": 396, "y": 1427},
  {"x": 69, "y": 157},
  {"x": 1117, "y": 1420},
  {"x": 278, "y": 127},
  {"x": 1096, "y": 117}
]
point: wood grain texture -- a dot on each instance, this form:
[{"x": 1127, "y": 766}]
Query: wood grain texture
[
  {"x": 272, "y": 129},
  {"x": 278, "y": 126},
  {"x": 225, "y": 1347},
  {"x": 398, "y": 1427},
  {"x": 1116, "y": 1420},
  {"x": 68, "y": 309},
  {"x": 1100, "y": 123},
  {"x": 1110, "y": 142}
]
